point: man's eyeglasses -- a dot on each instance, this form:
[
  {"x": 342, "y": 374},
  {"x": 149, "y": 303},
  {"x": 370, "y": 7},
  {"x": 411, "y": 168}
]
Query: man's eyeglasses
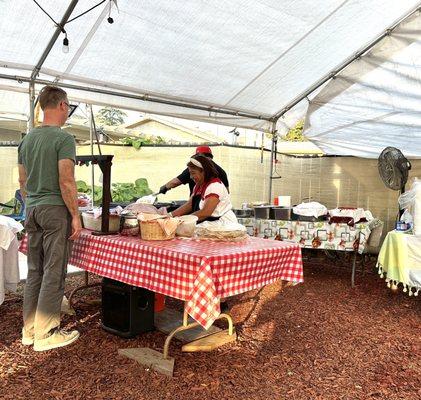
[{"x": 71, "y": 108}]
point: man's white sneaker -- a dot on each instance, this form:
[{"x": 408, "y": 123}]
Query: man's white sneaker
[
  {"x": 59, "y": 338},
  {"x": 26, "y": 339}
]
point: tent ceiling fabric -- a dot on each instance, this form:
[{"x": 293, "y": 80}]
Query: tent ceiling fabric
[
  {"x": 375, "y": 101},
  {"x": 252, "y": 57}
]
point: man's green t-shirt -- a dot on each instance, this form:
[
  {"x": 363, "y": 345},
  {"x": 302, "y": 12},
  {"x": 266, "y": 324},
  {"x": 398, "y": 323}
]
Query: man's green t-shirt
[{"x": 39, "y": 152}]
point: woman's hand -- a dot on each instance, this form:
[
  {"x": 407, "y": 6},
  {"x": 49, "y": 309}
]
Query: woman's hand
[{"x": 184, "y": 209}]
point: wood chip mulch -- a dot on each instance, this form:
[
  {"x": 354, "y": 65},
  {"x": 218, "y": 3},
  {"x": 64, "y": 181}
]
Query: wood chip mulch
[{"x": 317, "y": 340}]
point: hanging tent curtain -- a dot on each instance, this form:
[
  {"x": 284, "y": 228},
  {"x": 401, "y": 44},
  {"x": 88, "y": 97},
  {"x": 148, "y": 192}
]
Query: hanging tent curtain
[
  {"x": 375, "y": 102},
  {"x": 236, "y": 63}
]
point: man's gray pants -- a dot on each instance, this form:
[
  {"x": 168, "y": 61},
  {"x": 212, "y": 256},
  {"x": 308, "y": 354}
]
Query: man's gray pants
[{"x": 48, "y": 228}]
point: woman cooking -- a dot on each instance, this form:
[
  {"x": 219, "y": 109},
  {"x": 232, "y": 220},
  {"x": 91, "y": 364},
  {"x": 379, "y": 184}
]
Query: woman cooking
[{"x": 210, "y": 200}]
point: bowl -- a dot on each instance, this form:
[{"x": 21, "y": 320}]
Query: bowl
[
  {"x": 92, "y": 223},
  {"x": 187, "y": 226}
]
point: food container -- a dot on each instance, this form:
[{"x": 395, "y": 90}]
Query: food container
[
  {"x": 243, "y": 212},
  {"x": 262, "y": 212},
  {"x": 282, "y": 201},
  {"x": 281, "y": 213},
  {"x": 402, "y": 226},
  {"x": 90, "y": 222},
  {"x": 187, "y": 225},
  {"x": 129, "y": 225}
]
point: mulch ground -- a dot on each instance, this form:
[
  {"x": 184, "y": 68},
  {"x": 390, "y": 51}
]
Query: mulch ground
[{"x": 318, "y": 340}]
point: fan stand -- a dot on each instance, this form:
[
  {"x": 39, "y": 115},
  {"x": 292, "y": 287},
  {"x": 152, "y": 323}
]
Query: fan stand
[{"x": 400, "y": 212}]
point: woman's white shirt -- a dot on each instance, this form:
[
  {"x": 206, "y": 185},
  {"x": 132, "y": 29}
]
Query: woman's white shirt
[{"x": 223, "y": 209}]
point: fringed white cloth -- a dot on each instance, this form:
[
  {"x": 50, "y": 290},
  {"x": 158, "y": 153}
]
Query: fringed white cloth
[{"x": 393, "y": 284}]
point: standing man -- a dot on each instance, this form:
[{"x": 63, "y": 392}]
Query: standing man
[
  {"x": 184, "y": 177},
  {"x": 46, "y": 158}
]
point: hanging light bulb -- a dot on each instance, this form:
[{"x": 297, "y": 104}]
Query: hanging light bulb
[
  {"x": 110, "y": 19},
  {"x": 65, "y": 47}
]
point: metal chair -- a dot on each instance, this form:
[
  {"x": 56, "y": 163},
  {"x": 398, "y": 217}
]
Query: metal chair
[
  {"x": 373, "y": 245},
  {"x": 18, "y": 207}
]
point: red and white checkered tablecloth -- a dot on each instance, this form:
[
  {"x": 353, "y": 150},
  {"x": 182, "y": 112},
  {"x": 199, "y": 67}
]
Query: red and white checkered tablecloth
[{"x": 200, "y": 272}]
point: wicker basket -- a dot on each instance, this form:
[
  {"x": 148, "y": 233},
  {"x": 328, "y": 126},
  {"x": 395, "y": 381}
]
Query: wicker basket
[{"x": 151, "y": 230}]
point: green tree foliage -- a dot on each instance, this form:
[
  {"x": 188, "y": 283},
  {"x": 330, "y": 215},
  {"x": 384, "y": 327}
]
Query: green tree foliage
[
  {"x": 295, "y": 134},
  {"x": 111, "y": 116}
]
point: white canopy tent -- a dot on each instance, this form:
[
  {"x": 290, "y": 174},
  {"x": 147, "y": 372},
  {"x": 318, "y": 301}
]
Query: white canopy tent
[{"x": 239, "y": 63}]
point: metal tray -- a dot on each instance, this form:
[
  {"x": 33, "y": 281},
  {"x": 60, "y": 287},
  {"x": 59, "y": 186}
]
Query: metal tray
[
  {"x": 262, "y": 212},
  {"x": 243, "y": 212}
]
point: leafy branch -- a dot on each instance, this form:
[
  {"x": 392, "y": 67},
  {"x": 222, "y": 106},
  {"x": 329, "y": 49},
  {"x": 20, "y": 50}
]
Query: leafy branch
[{"x": 295, "y": 134}]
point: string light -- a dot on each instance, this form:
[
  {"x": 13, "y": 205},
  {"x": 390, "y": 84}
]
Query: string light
[
  {"x": 65, "y": 47},
  {"x": 109, "y": 19}
]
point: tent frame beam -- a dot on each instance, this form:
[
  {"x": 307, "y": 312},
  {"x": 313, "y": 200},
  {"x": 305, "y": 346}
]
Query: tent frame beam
[{"x": 144, "y": 97}]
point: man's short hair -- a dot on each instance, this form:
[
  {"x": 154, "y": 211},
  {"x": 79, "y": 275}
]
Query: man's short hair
[{"x": 51, "y": 96}]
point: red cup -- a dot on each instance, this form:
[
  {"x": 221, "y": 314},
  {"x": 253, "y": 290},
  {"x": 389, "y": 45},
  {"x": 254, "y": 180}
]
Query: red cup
[{"x": 159, "y": 302}]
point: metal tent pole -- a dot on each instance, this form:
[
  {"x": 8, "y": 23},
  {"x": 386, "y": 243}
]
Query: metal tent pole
[
  {"x": 91, "y": 141},
  {"x": 31, "y": 106},
  {"x": 272, "y": 158}
]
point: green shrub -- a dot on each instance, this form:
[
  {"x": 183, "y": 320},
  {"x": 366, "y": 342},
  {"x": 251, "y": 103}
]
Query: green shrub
[
  {"x": 120, "y": 192},
  {"x": 138, "y": 142}
]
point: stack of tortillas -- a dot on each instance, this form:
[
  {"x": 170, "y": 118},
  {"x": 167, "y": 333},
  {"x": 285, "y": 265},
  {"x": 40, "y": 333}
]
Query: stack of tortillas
[{"x": 221, "y": 232}]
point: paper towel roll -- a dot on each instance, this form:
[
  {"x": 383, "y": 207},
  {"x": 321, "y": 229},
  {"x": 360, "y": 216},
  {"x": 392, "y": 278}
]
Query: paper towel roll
[{"x": 284, "y": 201}]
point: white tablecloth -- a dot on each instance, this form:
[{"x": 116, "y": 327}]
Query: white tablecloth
[{"x": 9, "y": 264}]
